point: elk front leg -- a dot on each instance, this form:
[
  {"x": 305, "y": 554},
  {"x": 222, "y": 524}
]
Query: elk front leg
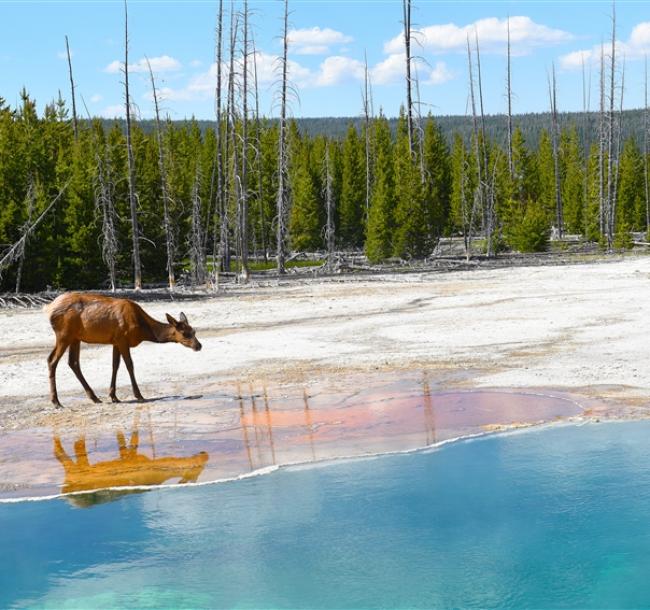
[
  {"x": 52, "y": 361},
  {"x": 73, "y": 361},
  {"x": 116, "y": 365},
  {"x": 126, "y": 355}
]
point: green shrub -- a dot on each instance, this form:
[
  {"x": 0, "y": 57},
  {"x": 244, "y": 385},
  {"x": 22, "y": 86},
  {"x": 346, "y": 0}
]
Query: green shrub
[{"x": 533, "y": 231}]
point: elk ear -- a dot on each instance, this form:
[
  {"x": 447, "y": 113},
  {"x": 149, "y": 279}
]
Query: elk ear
[
  {"x": 183, "y": 318},
  {"x": 171, "y": 320}
]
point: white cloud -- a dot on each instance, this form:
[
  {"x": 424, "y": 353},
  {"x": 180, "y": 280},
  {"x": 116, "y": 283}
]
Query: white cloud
[
  {"x": 202, "y": 86},
  {"x": 314, "y": 41},
  {"x": 96, "y": 98},
  {"x": 439, "y": 75},
  {"x": 64, "y": 55},
  {"x": 338, "y": 69},
  {"x": 576, "y": 59},
  {"x": 393, "y": 69},
  {"x": 313, "y": 50},
  {"x": 492, "y": 32},
  {"x": 636, "y": 47},
  {"x": 164, "y": 63},
  {"x": 390, "y": 70}
]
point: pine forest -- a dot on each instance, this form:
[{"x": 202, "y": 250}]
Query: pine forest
[{"x": 96, "y": 204}]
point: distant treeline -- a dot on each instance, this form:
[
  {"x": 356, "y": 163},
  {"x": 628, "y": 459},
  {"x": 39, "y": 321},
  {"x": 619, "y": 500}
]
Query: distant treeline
[
  {"x": 530, "y": 124},
  {"x": 391, "y": 195}
]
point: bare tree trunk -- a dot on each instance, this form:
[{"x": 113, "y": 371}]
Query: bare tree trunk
[
  {"x": 18, "y": 248},
  {"x": 219, "y": 213},
  {"x": 556, "y": 157},
  {"x": 283, "y": 198},
  {"x": 164, "y": 189},
  {"x": 366, "y": 116},
  {"x": 488, "y": 199},
  {"x": 137, "y": 267},
  {"x": 197, "y": 258},
  {"x": 329, "y": 206},
  {"x": 610, "y": 137},
  {"x": 30, "y": 199},
  {"x": 418, "y": 129},
  {"x": 230, "y": 143},
  {"x": 601, "y": 148},
  {"x": 243, "y": 216},
  {"x": 105, "y": 202},
  {"x": 586, "y": 99},
  {"x": 619, "y": 130},
  {"x": 510, "y": 166},
  {"x": 645, "y": 148},
  {"x": 477, "y": 199},
  {"x": 75, "y": 126},
  {"x": 258, "y": 154},
  {"x": 406, "y": 7}
]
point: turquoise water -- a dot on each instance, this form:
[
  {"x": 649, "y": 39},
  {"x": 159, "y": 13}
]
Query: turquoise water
[{"x": 555, "y": 517}]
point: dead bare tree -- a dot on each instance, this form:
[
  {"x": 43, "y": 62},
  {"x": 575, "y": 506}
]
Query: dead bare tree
[
  {"x": 619, "y": 131},
  {"x": 418, "y": 128},
  {"x": 104, "y": 192},
  {"x": 164, "y": 188},
  {"x": 477, "y": 199},
  {"x": 283, "y": 187},
  {"x": 258, "y": 156},
  {"x": 552, "y": 94},
  {"x": 645, "y": 148},
  {"x": 75, "y": 126},
  {"x": 30, "y": 200},
  {"x": 17, "y": 250},
  {"x": 219, "y": 211},
  {"x": 367, "y": 113},
  {"x": 610, "y": 136},
  {"x": 243, "y": 208},
  {"x": 406, "y": 8},
  {"x": 487, "y": 186},
  {"x": 104, "y": 202},
  {"x": 231, "y": 188},
  {"x": 137, "y": 266},
  {"x": 329, "y": 206},
  {"x": 197, "y": 253},
  {"x": 586, "y": 102},
  {"x": 602, "y": 143},
  {"x": 509, "y": 93}
]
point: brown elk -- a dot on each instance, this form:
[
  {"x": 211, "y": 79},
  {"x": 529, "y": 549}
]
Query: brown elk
[{"x": 93, "y": 318}]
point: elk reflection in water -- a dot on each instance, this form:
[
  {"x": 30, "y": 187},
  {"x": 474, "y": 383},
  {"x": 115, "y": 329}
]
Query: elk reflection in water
[{"x": 131, "y": 469}]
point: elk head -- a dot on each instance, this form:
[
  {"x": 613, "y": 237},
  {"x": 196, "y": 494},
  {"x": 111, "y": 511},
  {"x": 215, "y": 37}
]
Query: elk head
[{"x": 183, "y": 333}]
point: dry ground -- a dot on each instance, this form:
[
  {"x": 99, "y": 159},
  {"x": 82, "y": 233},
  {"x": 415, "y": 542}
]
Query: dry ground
[{"x": 579, "y": 328}]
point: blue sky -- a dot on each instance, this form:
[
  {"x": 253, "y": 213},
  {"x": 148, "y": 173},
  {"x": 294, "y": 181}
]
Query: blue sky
[{"x": 329, "y": 39}]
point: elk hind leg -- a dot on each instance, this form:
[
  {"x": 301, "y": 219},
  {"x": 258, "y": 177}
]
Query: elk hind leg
[{"x": 73, "y": 361}]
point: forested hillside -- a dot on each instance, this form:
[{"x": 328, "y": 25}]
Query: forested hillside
[
  {"x": 531, "y": 125},
  {"x": 97, "y": 203},
  {"x": 412, "y": 200}
]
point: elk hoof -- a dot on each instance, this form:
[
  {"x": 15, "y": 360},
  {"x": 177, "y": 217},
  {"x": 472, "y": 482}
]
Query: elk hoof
[
  {"x": 141, "y": 399},
  {"x": 95, "y": 399},
  {"x": 114, "y": 398}
]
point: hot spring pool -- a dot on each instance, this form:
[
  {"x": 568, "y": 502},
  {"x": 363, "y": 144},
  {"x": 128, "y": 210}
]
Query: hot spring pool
[{"x": 554, "y": 517}]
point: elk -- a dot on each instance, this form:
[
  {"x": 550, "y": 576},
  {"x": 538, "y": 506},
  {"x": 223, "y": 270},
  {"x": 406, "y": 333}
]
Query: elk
[{"x": 93, "y": 318}]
